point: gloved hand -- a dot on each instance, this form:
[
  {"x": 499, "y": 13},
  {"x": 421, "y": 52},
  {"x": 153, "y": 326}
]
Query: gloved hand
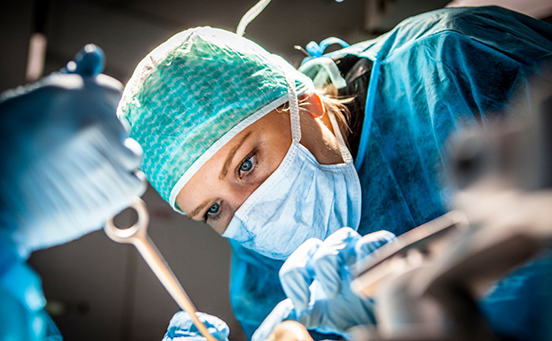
[
  {"x": 316, "y": 278},
  {"x": 181, "y": 328},
  {"x": 67, "y": 164}
]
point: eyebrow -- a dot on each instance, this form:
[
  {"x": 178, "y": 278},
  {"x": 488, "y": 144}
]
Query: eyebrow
[
  {"x": 222, "y": 174},
  {"x": 199, "y": 208},
  {"x": 230, "y": 157}
]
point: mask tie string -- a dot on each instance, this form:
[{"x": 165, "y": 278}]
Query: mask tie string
[
  {"x": 294, "y": 109},
  {"x": 250, "y": 16},
  {"x": 296, "y": 123},
  {"x": 345, "y": 153}
]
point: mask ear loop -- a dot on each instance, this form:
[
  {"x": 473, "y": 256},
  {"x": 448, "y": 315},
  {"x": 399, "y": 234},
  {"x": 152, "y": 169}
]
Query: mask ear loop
[
  {"x": 296, "y": 122},
  {"x": 294, "y": 109},
  {"x": 345, "y": 153}
]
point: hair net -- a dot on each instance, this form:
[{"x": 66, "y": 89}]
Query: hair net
[{"x": 194, "y": 93}]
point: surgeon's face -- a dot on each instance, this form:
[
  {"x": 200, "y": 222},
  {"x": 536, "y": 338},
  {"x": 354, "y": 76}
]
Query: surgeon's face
[{"x": 224, "y": 182}]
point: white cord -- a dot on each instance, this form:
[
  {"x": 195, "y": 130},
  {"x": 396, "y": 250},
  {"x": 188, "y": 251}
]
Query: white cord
[
  {"x": 293, "y": 109},
  {"x": 345, "y": 153},
  {"x": 250, "y": 15}
]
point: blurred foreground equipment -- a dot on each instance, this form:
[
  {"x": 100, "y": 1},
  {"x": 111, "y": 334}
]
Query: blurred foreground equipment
[{"x": 427, "y": 284}]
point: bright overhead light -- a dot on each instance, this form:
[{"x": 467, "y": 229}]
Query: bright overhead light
[{"x": 36, "y": 57}]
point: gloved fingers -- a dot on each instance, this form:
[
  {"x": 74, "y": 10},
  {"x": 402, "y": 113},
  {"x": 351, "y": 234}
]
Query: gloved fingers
[
  {"x": 331, "y": 257},
  {"x": 110, "y": 170},
  {"x": 370, "y": 242},
  {"x": 315, "y": 316},
  {"x": 124, "y": 155},
  {"x": 336, "y": 315},
  {"x": 282, "y": 312},
  {"x": 182, "y": 327},
  {"x": 297, "y": 274},
  {"x": 92, "y": 176},
  {"x": 129, "y": 154},
  {"x": 142, "y": 181}
]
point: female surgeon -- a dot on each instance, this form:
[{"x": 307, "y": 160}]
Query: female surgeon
[{"x": 236, "y": 137}]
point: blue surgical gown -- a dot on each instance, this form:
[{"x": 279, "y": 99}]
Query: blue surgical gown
[
  {"x": 430, "y": 75},
  {"x": 22, "y": 314}
]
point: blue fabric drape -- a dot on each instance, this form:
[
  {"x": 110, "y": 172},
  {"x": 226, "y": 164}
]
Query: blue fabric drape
[{"x": 431, "y": 74}]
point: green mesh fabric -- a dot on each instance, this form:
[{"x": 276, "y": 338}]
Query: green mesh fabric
[{"x": 192, "y": 94}]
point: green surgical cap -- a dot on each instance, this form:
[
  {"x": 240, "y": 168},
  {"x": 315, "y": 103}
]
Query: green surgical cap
[{"x": 194, "y": 93}]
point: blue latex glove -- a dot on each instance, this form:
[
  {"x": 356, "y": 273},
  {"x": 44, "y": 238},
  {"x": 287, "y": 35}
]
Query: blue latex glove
[
  {"x": 182, "y": 328},
  {"x": 67, "y": 164},
  {"x": 316, "y": 278}
]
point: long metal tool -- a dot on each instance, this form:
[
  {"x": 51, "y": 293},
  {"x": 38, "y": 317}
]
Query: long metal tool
[{"x": 137, "y": 236}]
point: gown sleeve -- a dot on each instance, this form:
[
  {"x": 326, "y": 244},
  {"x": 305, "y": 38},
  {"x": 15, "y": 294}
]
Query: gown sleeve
[
  {"x": 255, "y": 287},
  {"x": 22, "y": 314}
]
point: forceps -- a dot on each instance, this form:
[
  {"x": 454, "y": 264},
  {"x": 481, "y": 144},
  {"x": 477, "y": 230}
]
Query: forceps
[{"x": 137, "y": 236}]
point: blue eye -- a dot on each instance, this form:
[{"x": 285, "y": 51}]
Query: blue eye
[
  {"x": 246, "y": 165},
  {"x": 214, "y": 209}
]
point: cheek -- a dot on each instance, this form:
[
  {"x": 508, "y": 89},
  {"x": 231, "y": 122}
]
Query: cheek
[
  {"x": 220, "y": 225},
  {"x": 239, "y": 192}
]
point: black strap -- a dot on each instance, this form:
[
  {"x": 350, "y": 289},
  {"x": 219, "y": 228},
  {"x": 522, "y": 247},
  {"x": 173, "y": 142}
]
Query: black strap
[{"x": 356, "y": 72}]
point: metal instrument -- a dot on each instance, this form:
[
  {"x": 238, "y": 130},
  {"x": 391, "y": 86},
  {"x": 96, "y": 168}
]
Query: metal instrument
[{"x": 137, "y": 236}]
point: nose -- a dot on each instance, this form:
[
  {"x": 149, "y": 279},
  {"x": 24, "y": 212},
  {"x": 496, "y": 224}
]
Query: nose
[{"x": 235, "y": 195}]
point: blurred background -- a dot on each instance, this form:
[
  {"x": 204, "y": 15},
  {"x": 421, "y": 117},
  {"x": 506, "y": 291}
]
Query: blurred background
[{"x": 99, "y": 290}]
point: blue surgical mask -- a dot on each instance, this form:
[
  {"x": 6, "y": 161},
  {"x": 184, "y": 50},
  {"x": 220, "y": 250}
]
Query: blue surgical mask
[{"x": 302, "y": 199}]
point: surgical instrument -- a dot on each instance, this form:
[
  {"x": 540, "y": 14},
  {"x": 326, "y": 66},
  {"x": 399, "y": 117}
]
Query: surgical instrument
[{"x": 137, "y": 236}]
